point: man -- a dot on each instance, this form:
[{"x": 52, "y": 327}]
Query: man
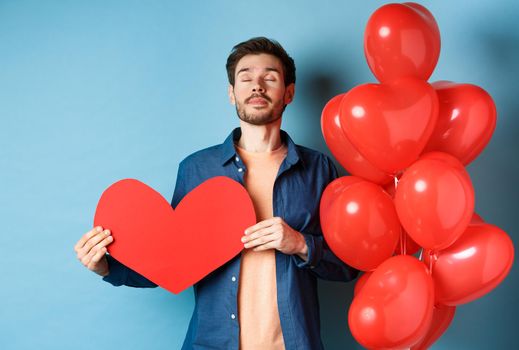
[{"x": 266, "y": 297}]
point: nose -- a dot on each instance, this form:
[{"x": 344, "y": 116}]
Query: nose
[{"x": 258, "y": 87}]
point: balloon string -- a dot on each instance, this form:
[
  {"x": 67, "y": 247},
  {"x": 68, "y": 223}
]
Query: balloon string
[
  {"x": 403, "y": 245},
  {"x": 432, "y": 260},
  {"x": 403, "y": 238}
]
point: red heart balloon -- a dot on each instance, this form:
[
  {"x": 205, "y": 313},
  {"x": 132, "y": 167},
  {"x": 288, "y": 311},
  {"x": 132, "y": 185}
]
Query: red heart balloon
[
  {"x": 390, "y": 123},
  {"x": 435, "y": 201},
  {"x": 394, "y": 307},
  {"x": 466, "y": 120},
  {"x": 361, "y": 281},
  {"x": 474, "y": 265},
  {"x": 476, "y": 219},
  {"x": 175, "y": 248},
  {"x": 402, "y": 40},
  {"x": 342, "y": 148},
  {"x": 359, "y": 222},
  {"x": 441, "y": 320}
]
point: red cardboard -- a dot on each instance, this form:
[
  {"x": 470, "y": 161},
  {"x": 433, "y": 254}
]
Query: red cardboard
[{"x": 175, "y": 248}]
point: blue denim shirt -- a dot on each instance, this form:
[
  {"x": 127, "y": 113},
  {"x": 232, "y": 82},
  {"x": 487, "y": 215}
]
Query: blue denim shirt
[{"x": 300, "y": 182}]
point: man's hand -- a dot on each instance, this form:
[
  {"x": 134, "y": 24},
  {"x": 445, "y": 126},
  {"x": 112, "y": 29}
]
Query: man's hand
[
  {"x": 91, "y": 250},
  {"x": 275, "y": 233}
]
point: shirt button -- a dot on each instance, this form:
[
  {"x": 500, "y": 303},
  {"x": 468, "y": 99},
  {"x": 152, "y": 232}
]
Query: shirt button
[
  {"x": 237, "y": 159},
  {"x": 233, "y": 279},
  {"x": 240, "y": 169},
  {"x": 233, "y": 316}
]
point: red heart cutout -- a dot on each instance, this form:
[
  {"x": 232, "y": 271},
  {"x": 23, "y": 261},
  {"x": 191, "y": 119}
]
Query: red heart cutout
[
  {"x": 474, "y": 265},
  {"x": 390, "y": 123},
  {"x": 466, "y": 120},
  {"x": 175, "y": 248}
]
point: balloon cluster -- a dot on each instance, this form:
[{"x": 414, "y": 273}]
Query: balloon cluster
[{"x": 406, "y": 143}]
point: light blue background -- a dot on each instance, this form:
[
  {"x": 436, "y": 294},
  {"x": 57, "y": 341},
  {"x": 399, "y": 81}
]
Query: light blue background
[{"x": 95, "y": 91}]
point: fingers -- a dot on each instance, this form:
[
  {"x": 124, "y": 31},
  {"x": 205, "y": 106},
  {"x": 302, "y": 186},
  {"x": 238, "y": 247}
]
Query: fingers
[
  {"x": 261, "y": 240},
  {"x": 96, "y": 245},
  {"x": 97, "y": 256},
  {"x": 86, "y": 237},
  {"x": 267, "y": 246},
  {"x": 263, "y": 224},
  {"x": 91, "y": 258},
  {"x": 261, "y": 232},
  {"x": 93, "y": 241}
]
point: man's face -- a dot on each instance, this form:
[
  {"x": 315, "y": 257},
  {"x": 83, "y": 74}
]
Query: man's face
[{"x": 259, "y": 91}]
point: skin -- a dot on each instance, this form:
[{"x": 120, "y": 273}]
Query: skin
[
  {"x": 260, "y": 121},
  {"x": 91, "y": 250},
  {"x": 259, "y": 94}
]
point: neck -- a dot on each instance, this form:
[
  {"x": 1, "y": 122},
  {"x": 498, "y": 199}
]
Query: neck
[{"x": 260, "y": 138}]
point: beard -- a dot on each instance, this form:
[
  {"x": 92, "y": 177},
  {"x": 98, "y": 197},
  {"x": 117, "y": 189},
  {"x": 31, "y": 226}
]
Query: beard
[{"x": 260, "y": 117}]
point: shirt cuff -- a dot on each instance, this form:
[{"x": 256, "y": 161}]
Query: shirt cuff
[
  {"x": 315, "y": 252},
  {"x": 117, "y": 274}
]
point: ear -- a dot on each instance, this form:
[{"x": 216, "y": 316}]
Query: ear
[
  {"x": 289, "y": 93},
  {"x": 230, "y": 91}
]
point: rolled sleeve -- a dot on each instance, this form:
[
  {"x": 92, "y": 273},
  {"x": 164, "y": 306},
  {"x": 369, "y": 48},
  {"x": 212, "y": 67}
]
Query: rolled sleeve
[
  {"x": 315, "y": 252},
  {"x": 122, "y": 275},
  {"x": 118, "y": 272}
]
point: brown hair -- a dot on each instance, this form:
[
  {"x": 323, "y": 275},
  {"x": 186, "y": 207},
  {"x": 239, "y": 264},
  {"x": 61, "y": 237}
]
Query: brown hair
[{"x": 256, "y": 46}]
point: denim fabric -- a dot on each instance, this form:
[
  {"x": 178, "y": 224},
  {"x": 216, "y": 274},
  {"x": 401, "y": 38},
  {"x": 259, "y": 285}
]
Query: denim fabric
[{"x": 302, "y": 177}]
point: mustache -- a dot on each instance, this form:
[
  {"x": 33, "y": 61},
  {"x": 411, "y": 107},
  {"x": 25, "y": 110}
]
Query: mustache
[{"x": 256, "y": 96}]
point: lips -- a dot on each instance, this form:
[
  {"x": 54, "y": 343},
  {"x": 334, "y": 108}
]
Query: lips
[{"x": 257, "y": 101}]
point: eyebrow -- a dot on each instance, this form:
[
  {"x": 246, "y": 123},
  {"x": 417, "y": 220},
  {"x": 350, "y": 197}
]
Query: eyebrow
[{"x": 269, "y": 69}]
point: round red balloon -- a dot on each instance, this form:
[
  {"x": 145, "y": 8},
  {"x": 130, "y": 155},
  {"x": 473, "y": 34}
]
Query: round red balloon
[
  {"x": 474, "y": 265},
  {"x": 389, "y": 124},
  {"x": 466, "y": 120},
  {"x": 394, "y": 308},
  {"x": 334, "y": 189},
  {"x": 343, "y": 150},
  {"x": 402, "y": 40},
  {"x": 449, "y": 159},
  {"x": 434, "y": 201},
  {"x": 359, "y": 223}
]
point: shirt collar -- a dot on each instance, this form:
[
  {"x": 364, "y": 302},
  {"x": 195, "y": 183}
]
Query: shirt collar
[{"x": 229, "y": 152}]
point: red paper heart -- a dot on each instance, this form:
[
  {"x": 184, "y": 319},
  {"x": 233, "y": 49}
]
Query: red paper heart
[
  {"x": 175, "y": 248},
  {"x": 389, "y": 124},
  {"x": 466, "y": 120}
]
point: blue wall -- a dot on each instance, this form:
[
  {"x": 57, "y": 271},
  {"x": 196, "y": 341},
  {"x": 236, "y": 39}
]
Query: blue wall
[{"x": 95, "y": 91}]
